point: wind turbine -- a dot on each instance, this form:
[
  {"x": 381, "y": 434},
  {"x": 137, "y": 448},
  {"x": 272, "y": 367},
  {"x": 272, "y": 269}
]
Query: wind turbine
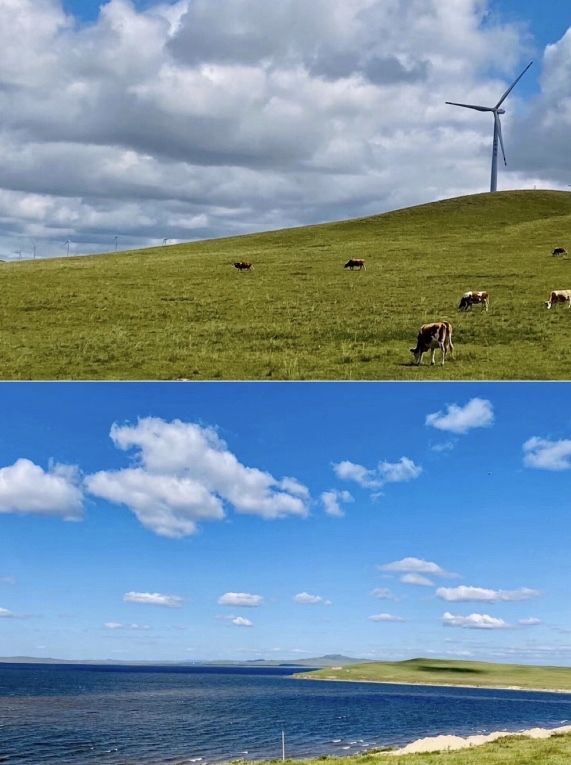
[
  {"x": 66, "y": 244},
  {"x": 496, "y": 111},
  {"x": 165, "y": 240},
  {"x": 116, "y": 238}
]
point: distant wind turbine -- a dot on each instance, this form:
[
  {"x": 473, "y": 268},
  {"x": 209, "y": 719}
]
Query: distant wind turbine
[
  {"x": 18, "y": 253},
  {"x": 66, "y": 244},
  {"x": 497, "y": 126},
  {"x": 116, "y": 239},
  {"x": 165, "y": 240}
]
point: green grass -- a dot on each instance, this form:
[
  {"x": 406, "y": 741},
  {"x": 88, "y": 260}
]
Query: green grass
[
  {"x": 183, "y": 311},
  {"x": 453, "y": 672},
  {"x": 515, "y": 750}
]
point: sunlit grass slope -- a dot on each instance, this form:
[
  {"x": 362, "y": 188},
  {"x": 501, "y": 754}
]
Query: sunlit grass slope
[
  {"x": 183, "y": 311},
  {"x": 453, "y": 672},
  {"x": 506, "y": 751}
]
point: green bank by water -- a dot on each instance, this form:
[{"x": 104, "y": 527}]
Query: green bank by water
[{"x": 445, "y": 672}]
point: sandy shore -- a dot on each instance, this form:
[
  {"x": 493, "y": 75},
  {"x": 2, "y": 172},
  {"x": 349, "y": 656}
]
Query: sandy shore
[{"x": 448, "y": 743}]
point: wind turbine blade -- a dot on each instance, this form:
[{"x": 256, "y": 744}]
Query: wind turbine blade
[
  {"x": 471, "y": 106},
  {"x": 499, "y": 126},
  {"x": 512, "y": 86}
]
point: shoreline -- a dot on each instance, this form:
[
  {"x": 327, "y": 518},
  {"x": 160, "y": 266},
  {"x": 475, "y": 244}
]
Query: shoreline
[
  {"x": 449, "y": 743},
  {"x": 433, "y": 685}
]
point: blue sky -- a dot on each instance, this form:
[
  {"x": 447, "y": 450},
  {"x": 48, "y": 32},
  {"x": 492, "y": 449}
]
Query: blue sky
[{"x": 84, "y": 552}]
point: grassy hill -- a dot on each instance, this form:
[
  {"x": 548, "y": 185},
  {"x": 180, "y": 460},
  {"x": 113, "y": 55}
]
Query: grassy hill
[
  {"x": 445, "y": 672},
  {"x": 515, "y": 750},
  {"x": 183, "y": 311}
]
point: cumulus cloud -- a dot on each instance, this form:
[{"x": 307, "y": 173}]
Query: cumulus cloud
[
  {"x": 196, "y": 119},
  {"x": 6, "y": 614},
  {"x": 543, "y": 454},
  {"x": 474, "y": 622},
  {"x": 418, "y": 579},
  {"x": 477, "y": 413},
  {"x": 306, "y": 599},
  {"x": 415, "y": 566},
  {"x": 243, "y": 599},
  {"x": 332, "y": 500},
  {"x": 466, "y": 594},
  {"x": 153, "y": 599},
  {"x": 530, "y": 621},
  {"x": 385, "y": 472},
  {"x": 186, "y": 475},
  {"x": 27, "y": 488},
  {"x": 382, "y": 593},
  {"x": 240, "y": 621},
  {"x": 120, "y": 626},
  {"x": 385, "y": 618}
]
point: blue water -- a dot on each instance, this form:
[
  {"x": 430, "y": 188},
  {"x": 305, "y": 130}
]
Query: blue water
[{"x": 74, "y": 715}]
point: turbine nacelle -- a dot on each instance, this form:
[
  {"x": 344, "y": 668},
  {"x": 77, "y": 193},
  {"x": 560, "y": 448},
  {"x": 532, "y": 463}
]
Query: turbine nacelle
[{"x": 496, "y": 111}]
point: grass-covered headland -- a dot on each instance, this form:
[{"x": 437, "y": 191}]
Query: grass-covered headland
[
  {"x": 451, "y": 672},
  {"x": 513, "y": 750},
  {"x": 184, "y": 312}
]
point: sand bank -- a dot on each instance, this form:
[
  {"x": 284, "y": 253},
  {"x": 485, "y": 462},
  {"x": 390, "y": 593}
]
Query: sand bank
[{"x": 448, "y": 743}]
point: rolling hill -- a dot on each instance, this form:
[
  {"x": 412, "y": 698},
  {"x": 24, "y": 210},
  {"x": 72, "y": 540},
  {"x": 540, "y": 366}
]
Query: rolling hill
[
  {"x": 452, "y": 672},
  {"x": 183, "y": 312}
]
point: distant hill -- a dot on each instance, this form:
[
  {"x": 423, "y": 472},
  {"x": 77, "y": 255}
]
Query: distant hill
[
  {"x": 320, "y": 661},
  {"x": 453, "y": 672},
  {"x": 183, "y": 311}
]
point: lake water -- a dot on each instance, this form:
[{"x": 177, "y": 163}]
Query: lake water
[{"x": 82, "y": 715}]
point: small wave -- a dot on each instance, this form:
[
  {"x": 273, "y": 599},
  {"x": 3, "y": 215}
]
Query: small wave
[{"x": 336, "y": 741}]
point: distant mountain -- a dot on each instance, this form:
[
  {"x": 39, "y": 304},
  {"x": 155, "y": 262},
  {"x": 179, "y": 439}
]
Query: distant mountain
[{"x": 329, "y": 660}]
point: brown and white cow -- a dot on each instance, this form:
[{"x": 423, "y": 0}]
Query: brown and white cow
[
  {"x": 559, "y": 296},
  {"x": 356, "y": 263},
  {"x": 559, "y": 251},
  {"x": 468, "y": 299},
  {"x": 433, "y": 336},
  {"x": 242, "y": 265}
]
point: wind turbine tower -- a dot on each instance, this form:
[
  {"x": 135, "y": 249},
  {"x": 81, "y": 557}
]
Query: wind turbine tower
[
  {"x": 496, "y": 111},
  {"x": 66, "y": 244}
]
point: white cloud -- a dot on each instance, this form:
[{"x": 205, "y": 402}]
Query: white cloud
[
  {"x": 240, "y": 621},
  {"x": 186, "y": 476},
  {"x": 119, "y": 626},
  {"x": 26, "y": 488},
  {"x": 305, "y": 598},
  {"x": 332, "y": 501},
  {"x": 244, "y": 599},
  {"x": 477, "y": 413},
  {"x": 385, "y": 472},
  {"x": 6, "y": 614},
  {"x": 474, "y": 622},
  {"x": 385, "y": 618},
  {"x": 415, "y": 566},
  {"x": 530, "y": 621},
  {"x": 197, "y": 118},
  {"x": 418, "y": 579},
  {"x": 467, "y": 594},
  {"x": 153, "y": 599},
  {"x": 543, "y": 454},
  {"x": 382, "y": 593}
]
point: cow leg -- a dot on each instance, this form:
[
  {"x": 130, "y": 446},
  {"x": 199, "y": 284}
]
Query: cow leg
[
  {"x": 443, "y": 349},
  {"x": 432, "y": 356}
]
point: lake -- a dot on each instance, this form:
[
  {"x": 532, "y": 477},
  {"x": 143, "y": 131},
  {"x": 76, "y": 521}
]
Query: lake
[{"x": 80, "y": 715}]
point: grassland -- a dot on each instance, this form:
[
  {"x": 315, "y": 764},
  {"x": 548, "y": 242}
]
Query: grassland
[
  {"x": 183, "y": 311},
  {"x": 444, "y": 672},
  {"x": 506, "y": 751}
]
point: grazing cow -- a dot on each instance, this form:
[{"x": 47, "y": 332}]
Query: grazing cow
[
  {"x": 559, "y": 251},
  {"x": 355, "y": 263},
  {"x": 433, "y": 336},
  {"x": 468, "y": 299},
  {"x": 559, "y": 296},
  {"x": 242, "y": 265}
]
